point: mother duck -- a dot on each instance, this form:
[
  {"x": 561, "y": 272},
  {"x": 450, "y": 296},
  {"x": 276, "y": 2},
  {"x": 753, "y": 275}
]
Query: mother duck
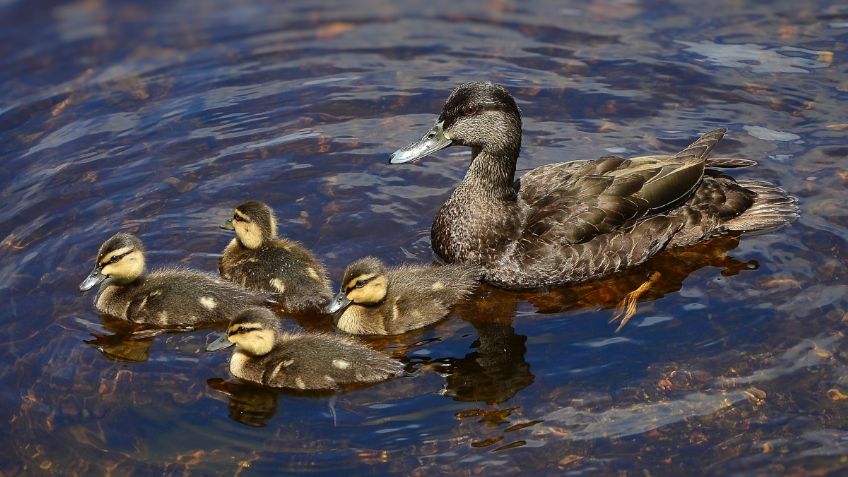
[{"x": 580, "y": 220}]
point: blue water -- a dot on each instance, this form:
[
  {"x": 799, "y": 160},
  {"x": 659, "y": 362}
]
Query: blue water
[{"x": 158, "y": 117}]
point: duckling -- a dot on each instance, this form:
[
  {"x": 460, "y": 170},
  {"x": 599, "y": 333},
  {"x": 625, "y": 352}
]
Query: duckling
[
  {"x": 380, "y": 301},
  {"x": 259, "y": 260},
  {"x": 581, "y": 220},
  {"x": 167, "y": 297},
  {"x": 267, "y": 355}
]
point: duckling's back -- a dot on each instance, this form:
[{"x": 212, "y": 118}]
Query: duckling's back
[
  {"x": 282, "y": 267},
  {"x": 315, "y": 361},
  {"x": 175, "y": 296},
  {"x": 419, "y": 296}
]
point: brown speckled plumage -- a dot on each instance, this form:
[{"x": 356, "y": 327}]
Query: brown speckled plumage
[
  {"x": 277, "y": 265},
  {"x": 414, "y": 296},
  {"x": 166, "y": 297},
  {"x": 306, "y": 361},
  {"x": 581, "y": 220}
]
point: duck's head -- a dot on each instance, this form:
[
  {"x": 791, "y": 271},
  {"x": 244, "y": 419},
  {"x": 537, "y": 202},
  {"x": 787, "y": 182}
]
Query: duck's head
[
  {"x": 254, "y": 331},
  {"x": 364, "y": 283},
  {"x": 254, "y": 222},
  {"x": 481, "y": 115},
  {"x": 120, "y": 258}
]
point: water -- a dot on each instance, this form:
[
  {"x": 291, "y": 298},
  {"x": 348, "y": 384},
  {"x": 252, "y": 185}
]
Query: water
[{"x": 158, "y": 117}]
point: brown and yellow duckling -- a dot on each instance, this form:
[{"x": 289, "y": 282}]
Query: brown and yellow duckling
[
  {"x": 166, "y": 297},
  {"x": 378, "y": 300},
  {"x": 260, "y": 260},
  {"x": 580, "y": 220},
  {"x": 267, "y": 355}
]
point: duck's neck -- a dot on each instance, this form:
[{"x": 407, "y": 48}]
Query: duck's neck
[
  {"x": 492, "y": 173},
  {"x": 482, "y": 217}
]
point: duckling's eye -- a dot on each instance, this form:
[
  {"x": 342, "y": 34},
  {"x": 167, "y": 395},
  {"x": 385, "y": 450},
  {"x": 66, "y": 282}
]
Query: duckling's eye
[
  {"x": 360, "y": 284},
  {"x": 117, "y": 258}
]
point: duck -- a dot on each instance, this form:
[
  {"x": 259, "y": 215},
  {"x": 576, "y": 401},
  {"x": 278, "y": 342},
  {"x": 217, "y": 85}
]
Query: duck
[
  {"x": 260, "y": 260},
  {"x": 377, "y": 300},
  {"x": 169, "y": 297},
  {"x": 582, "y": 220},
  {"x": 265, "y": 354}
]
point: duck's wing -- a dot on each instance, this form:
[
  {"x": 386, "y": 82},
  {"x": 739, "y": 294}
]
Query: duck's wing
[{"x": 575, "y": 202}]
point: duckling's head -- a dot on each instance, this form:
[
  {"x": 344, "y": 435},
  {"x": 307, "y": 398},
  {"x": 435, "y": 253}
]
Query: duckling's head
[
  {"x": 481, "y": 115},
  {"x": 254, "y": 331},
  {"x": 254, "y": 222},
  {"x": 364, "y": 283},
  {"x": 121, "y": 258}
]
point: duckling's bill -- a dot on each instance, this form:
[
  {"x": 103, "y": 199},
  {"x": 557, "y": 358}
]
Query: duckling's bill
[
  {"x": 337, "y": 304},
  {"x": 434, "y": 140},
  {"x": 93, "y": 279},
  {"x": 228, "y": 225},
  {"x": 222, "y": 342}
]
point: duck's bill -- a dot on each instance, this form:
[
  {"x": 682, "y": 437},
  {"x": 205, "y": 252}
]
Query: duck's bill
[
  {"x": 434, "y": 140},
  {"x": 228, "y": 225},
  {"x": 223, "y": 342},
  {"x": 93, "y": 279},
  {"x": 337, "y": 304}
]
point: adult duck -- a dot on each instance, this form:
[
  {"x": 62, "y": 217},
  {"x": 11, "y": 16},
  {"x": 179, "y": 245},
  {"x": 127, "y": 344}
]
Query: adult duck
[{"x": 579, "y": 220}]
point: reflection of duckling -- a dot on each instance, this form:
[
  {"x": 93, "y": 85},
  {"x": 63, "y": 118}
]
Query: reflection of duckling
[
  {"x": 259, "y": 260},
  {"x": 249, "y": 404},
  {"x": 380, "y": 301},
  {"x": 165, "y": 297},
  {"x": 267, "y": 355}
]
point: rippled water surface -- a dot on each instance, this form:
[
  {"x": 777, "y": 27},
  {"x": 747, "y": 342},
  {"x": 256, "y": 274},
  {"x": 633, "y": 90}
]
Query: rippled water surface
[{"x": 158, "y": 117}]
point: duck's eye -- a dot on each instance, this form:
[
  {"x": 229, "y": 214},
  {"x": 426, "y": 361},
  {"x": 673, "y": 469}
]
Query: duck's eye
[{"x": 360, "y": 284}]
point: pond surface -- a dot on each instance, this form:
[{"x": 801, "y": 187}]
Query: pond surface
[{"x": 158, "y": 117}]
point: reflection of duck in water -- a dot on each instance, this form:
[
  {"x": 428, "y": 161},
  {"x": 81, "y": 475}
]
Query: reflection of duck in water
[
  {"x": 168, "y": 297},
  {"x": 581, "y": 220},
  {"x": 495, "y": 371},
  {"x": 497, "y": 368},
  {"x": 249, "y": 404},
  {"x": 381, "y": 301},
  {"x": 260, "y": 260},
  {"x": 267, "y": 355},
  {"x": 668, "y": 270}
]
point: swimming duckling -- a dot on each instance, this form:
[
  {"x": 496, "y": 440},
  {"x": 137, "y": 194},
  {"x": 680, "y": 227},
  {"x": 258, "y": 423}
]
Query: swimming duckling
[
  {"x": 166, "y": 297},
  {"x": 267, "y": 355},
  {"x": 579, "y": 220},
  {"x": 380, "y": 301},
  {"x": 259, "y": 260}
]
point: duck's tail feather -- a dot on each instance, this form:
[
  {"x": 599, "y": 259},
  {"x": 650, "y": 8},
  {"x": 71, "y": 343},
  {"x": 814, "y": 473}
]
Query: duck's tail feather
[
  {"x": 773, "y": 207},
  {"x": 701, "y": 148},
  {"x": 729, "y": 162}
]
